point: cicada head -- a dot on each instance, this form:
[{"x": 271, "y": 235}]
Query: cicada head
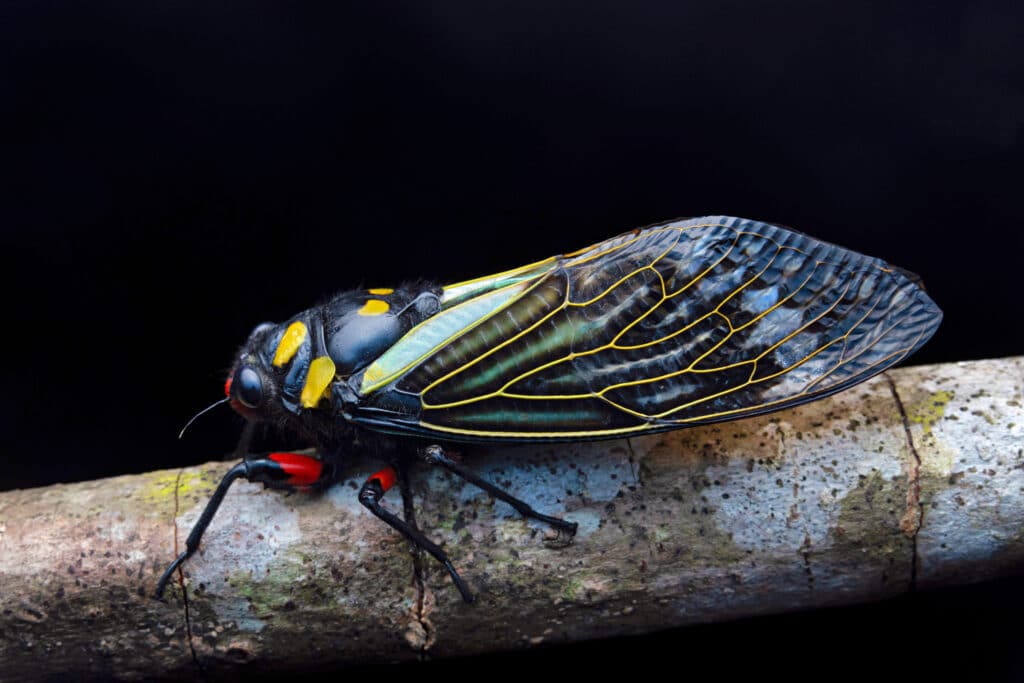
[
  {"x": 287, "y": 370},
  {"x": 260, "y": 374}
]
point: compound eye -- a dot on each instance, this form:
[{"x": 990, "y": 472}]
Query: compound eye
[{"x": 248, "y": 387}]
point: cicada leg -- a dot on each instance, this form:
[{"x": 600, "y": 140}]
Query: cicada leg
[
  {"x": 277, "y": 470},
  {"x": 435, "y": 455},
  {"x": 373, "y": 490}
]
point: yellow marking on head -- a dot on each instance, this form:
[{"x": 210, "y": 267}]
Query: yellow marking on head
[
  {"x": 374, "y": 307},
  {"x": 318, "y": 379},
  {"x": 290, "y": 343},
  {"x": 381, "y": 291}
]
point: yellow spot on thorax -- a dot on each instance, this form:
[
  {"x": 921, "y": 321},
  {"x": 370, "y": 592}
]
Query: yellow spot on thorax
[
  {"x": 318, "y": 379},
  {"x": 290, "y": 343},
  {"x": 381, "y": 291},
  {"x": 374, "y": 307}
]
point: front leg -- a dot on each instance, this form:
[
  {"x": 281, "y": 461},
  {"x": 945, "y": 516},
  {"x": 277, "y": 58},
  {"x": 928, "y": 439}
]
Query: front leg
[
  {"x": 373, "y": 490},
  {"x": 277, "y": 470}
]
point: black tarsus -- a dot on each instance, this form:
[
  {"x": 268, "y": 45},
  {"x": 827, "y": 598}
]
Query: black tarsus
[
  {"x": 192, "y": 543},
  {"x": 371, "y": 493},
  {"x": 435, "y": 455},
  {"x": 261, "y": 469}
]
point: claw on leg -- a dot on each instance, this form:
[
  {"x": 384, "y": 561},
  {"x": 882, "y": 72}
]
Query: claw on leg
[
  {"x": 436, "y": 455},
  {"x": 373, "y": 490},
  {"x": 277, "y": 470}
]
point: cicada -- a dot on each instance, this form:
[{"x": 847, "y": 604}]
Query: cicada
[{"x": 676, "y": 324}]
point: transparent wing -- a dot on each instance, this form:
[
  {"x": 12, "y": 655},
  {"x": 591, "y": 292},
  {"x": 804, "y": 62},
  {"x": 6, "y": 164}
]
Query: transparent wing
[{"x": 682, "y": 323}]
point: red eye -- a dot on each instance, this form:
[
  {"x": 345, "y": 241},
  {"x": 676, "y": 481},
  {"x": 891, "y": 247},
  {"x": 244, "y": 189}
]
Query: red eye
[{"x": 227, "y": 386}]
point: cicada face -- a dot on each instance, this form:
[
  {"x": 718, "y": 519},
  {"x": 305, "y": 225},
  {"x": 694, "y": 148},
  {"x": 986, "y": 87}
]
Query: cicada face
[
  {"x": 286, "y": 372},
  {"x": 254, "y": 386}
]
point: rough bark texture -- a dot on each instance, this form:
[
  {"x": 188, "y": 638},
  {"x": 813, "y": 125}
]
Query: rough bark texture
[{"x": 916, "y": 477}]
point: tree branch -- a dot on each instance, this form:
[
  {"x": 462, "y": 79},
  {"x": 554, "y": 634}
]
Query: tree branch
[{"x": 913, "y": 479}]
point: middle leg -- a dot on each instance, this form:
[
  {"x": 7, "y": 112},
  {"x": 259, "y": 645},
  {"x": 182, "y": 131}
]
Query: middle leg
[
  {"x": 435, "y": 455},
  {"x": 370, "y": 494}
]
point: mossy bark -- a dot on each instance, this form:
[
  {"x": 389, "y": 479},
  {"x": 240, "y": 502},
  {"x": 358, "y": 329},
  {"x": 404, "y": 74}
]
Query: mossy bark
[{"x": 914, "y": 478}]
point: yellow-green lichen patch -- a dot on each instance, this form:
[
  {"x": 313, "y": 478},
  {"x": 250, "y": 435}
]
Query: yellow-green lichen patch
[
  {"x": 573, "y": 589},
  {"x": 936, "y": 458},
  {"x": 167, "y": 484},
  {"x": 252, "y": 599},
  {"x": 927, "y": 413},
  {"x": 281, "y": 587},
  {"x": 868, "y": 525}
]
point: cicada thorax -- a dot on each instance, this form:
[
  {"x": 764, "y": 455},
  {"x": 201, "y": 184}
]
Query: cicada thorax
[{"x": 285, "y": 372}]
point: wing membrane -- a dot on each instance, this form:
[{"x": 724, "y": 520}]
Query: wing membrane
[{"x": 677, "y": 324}]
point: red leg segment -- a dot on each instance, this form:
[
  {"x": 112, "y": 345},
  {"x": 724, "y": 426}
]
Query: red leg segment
[
  {"x": 387, "y": 478},
  {"x": 300, "y": 470},
  {"x": 371, "y": 493},
  {"x": 277, "y": 470}
]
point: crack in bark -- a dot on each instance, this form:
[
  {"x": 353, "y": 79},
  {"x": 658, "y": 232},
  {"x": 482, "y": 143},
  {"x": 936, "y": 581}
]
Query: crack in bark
[
  {"x": 634, "y": 467},
  {"x": 181, "y": 574},
  {"x": 805, "y": 551},
  {"x": 419, "y": 611},
  {"x": 638, "y": 481},
  {"x": 913, "y": 487}
]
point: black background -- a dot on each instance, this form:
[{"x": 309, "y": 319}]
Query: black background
[{"x": 177, "y": 173}]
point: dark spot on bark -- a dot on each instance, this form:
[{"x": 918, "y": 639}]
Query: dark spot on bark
[
  {"x": 239, "y": 652},
  {"x": 460, "y": 521}
]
